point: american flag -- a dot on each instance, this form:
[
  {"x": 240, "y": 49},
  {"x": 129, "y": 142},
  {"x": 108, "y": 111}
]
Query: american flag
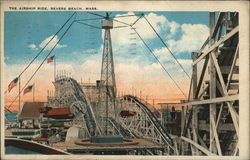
[
  {"x": 50, "y": 59},
  {"x": 12, "y": 84},
  {"x": 27, "y": 89}
]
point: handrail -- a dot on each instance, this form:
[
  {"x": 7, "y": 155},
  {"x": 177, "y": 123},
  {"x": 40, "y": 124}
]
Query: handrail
[
  {"x": 123, "y": 131},
  {"x": 89, "y": 117},
  {"x": 153, "y": 119}
]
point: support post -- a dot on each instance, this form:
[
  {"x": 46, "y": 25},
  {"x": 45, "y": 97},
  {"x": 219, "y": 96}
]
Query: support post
[
  {"x": 195, "y": 108},
  {"x": 55, "y": 68},
  {"x": 19, "y": 90},
  {"x": 33, "y": 92},
  {"x": 183, "y": 116},
  {"x": 212, "y": 86}
]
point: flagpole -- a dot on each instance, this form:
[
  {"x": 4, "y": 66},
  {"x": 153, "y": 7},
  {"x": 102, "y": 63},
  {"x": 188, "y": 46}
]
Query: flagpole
[
  {"x": 55, "y": 68},
  {"x": 19, "y": 94},
  {"x": 34, "y": 92}
]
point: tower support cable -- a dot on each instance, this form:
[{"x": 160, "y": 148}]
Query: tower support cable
[
  {"x": 131, "y": 25},
  {"x": 44, "y": 47},
  {"x": 160, "y": 63},
  {"x": 46, "y": 44},
  {"x": 41, "y": 64},
  {"x": 167, "y": 47}
]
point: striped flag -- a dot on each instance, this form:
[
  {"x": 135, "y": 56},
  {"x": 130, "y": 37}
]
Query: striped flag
[
  {"x": 12, "y": 84},
  {"x": 50, "y": 59},
  {"x": 27, "y": 89}
]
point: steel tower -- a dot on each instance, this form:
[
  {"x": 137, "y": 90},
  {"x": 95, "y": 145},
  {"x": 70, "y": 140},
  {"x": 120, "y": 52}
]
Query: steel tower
[{"x": 107, "y": 85}]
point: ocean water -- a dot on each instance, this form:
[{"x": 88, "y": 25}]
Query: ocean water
[
  {"x": 12, "y": 149},
  {"x": 11, "y": 116},
  {"x": 16, "y": 150}
]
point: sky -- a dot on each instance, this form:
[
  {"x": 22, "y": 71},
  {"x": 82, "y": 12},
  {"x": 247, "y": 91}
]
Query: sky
[{"x": 80, "y": 51}]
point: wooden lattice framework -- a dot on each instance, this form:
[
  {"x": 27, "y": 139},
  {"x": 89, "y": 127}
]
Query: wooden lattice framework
[{"x": 210, "y": 123}]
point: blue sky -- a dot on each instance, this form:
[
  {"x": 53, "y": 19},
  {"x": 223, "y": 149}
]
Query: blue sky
[
  {"x": 25, "y": 28},
  {"x": 80, "y": 50}
]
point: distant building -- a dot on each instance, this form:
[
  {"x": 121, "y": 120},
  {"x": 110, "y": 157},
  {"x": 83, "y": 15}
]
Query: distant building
[
  {"x": 29, "y": 116},
  {"x": 171, "y": 117},
  {"x": 91, "y": 90},
  {"x": 170, "y": 105},
  {"x": 63, "y": 95}
]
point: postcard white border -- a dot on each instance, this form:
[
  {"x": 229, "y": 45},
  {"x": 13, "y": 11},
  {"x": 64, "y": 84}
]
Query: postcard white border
[{"x": 240, "y": 6}]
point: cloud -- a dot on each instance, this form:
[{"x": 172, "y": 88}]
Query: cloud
[
  {"x": 187, "y": 65},
  {"x": 136, "y": 70},
  {"x": 45, "y": 73},
  {"x": 91, "y": 51},
  {"x": 91, "y": 69},
  {"x": 193, "y": 36},
  {"x": 32, "y": 46},
  {"x": 42, "y": 80},
  {"x": 172, "y": 67},
  {"x": 124, "y": 35},
  {"x": 159, "y": 22},
  {"x": 173, "y": 29},
  {"x": 52, "y": 43},
  {"x": 186, "y": 62},
  {"x": 162, "y": 54},
  {"x": 150, "y": 79}
]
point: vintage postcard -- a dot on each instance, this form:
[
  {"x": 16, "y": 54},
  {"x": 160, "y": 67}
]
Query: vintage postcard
[{"x": 127, "y": 80}]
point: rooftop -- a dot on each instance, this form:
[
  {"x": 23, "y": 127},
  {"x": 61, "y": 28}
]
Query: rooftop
[{"x": 30, "y": 110}]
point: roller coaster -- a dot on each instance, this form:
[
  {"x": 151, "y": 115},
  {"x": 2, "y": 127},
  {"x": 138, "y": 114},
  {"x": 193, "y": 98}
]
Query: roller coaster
[{"x": 210, "y": 120}]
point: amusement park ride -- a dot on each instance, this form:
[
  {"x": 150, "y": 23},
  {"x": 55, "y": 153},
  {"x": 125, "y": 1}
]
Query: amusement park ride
[{"x": 112, "y": 124}]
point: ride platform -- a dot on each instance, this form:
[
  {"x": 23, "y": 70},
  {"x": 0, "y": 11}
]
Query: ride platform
[{"x": 86, "y": 146}]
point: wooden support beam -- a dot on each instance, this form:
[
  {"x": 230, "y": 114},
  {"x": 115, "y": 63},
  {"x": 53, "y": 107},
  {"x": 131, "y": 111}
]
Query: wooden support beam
[
  {"x": 190, "y": 86},
  {"x": 215, "y": 30},
  {"x": 235, "y": 117},
  {"x": 233, "y": 113},
  {"x": 219, "y": 87},
  {"x": 212, "y": 108},
  {"x": 232, "y": 67},
  {"x": 203, "y": 46},
  {"x": 214, "y": 59},
  {"x": 183, "y": 118},
  {"x": 220, "y": 31},
  {"x": 204, "y": 150},
  {"x": 219, "y": 115},
  {"x": 219, "y": 74},
  {"x": 202, "y": 92},
  {"x": 218, "y": 24},
  {"x": 215, "y": 45},
  {"x": 195, "y": 109},
  {"x": 176, "y": 148},
  {"x": 219, "y": 128},
  {"x": 212, "y": 100},
  {"x": 195, "y": 128},
  {"x": 212, "y": 86},
  {"x": 236, "y": 149},
  {"x": 215, "y": 135},
  {"x": 201, "y": 77},
  {"x": 189, "y": 136},
  {"x": 201, "y": 141}
]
